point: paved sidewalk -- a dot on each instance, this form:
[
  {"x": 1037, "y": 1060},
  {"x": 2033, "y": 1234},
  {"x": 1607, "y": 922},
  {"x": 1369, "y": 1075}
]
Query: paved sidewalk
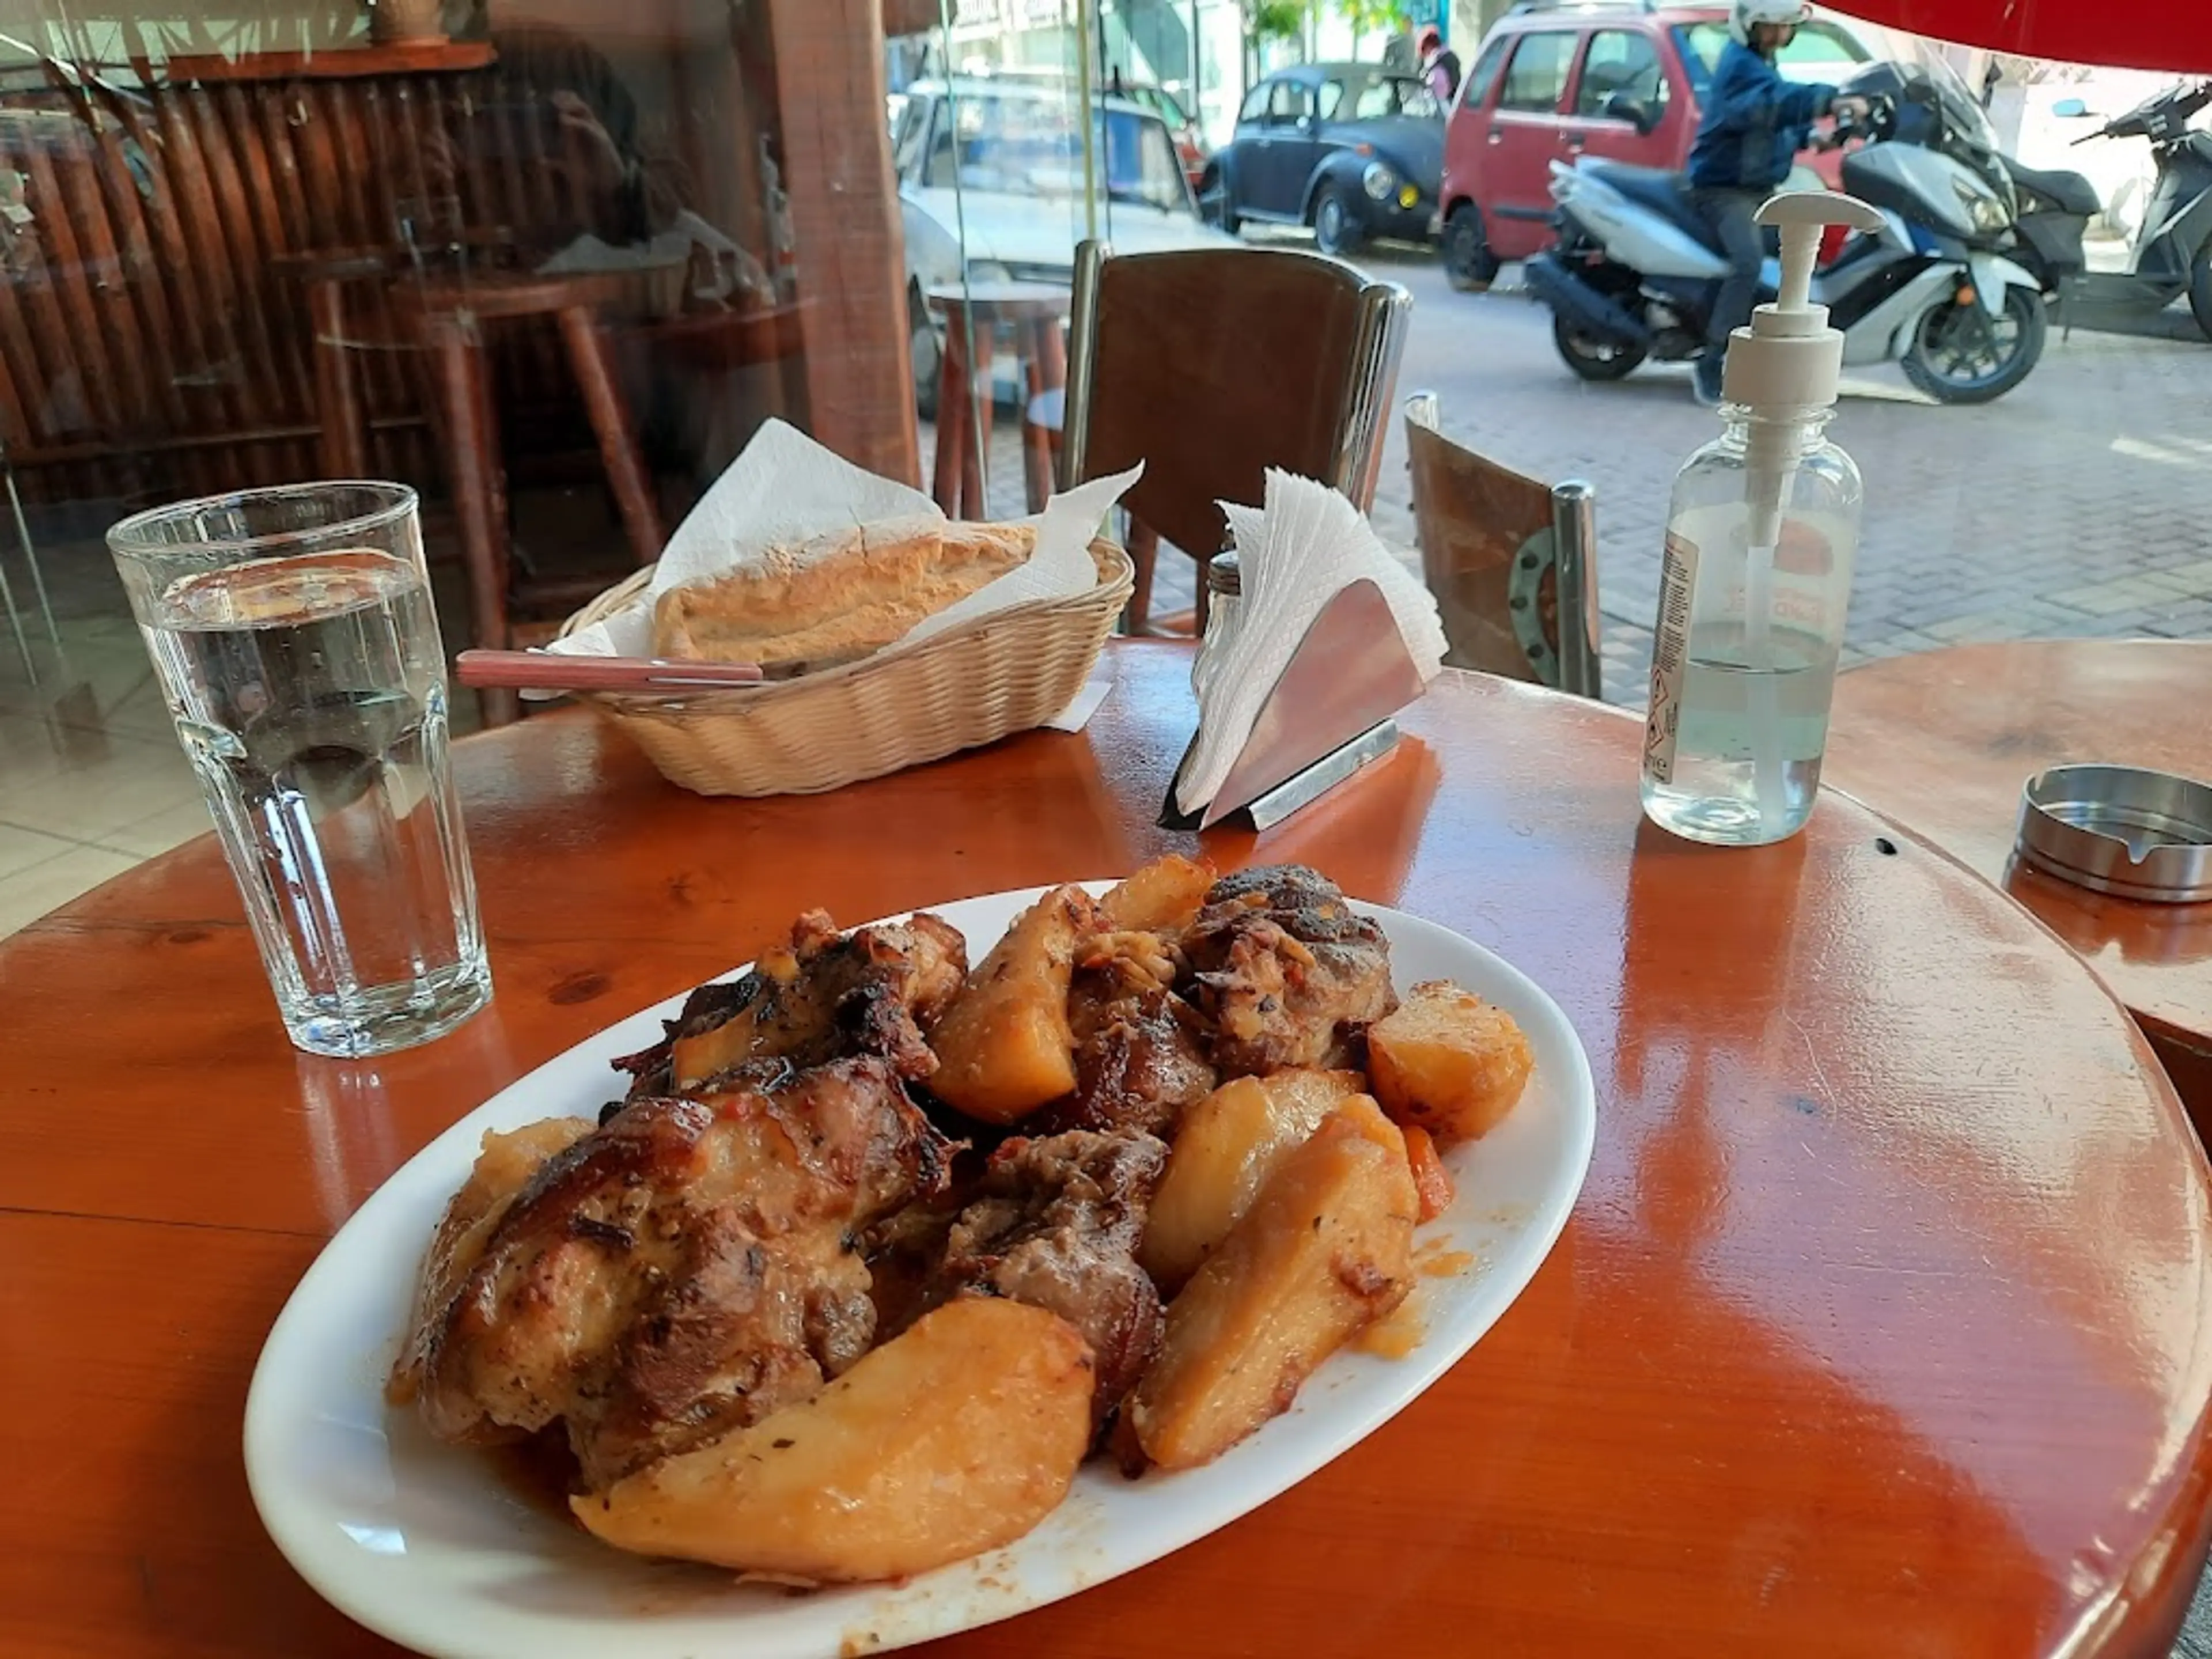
[{"x": 2080, "y": 504}]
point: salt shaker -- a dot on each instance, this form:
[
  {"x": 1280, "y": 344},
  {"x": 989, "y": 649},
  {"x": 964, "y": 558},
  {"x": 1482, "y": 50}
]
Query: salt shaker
[{"x": 1224, "y": 589}]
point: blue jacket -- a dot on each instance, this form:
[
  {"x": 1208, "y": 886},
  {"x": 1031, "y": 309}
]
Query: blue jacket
[{"x": 1754, "y": 123}]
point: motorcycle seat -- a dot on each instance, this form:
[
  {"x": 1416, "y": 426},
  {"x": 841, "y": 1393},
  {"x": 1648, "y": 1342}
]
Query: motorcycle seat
[
  {"x": 2070, "y": 190},
  {"x": 1665, "y": 193}
]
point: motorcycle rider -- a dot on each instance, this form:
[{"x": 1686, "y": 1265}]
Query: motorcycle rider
[{"x": 1755, "y": 124}]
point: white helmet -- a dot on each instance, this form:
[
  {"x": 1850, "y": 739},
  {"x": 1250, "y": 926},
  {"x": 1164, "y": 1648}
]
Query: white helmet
[{"x": 1744, "y": 13}]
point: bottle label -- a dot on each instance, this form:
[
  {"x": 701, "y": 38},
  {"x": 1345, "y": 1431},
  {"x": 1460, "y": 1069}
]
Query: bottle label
[{"x": 1670, "y": 647}]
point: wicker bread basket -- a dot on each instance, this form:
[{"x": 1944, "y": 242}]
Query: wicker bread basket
[{"x": 983, "y": 680}]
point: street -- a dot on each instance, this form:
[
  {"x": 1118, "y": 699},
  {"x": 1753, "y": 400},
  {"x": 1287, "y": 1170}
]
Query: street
[{"x": 2077, "y": 505}]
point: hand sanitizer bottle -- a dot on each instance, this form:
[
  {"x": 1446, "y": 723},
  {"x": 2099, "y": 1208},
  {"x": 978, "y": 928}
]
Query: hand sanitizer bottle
[{"x": 1756, "y": 571}]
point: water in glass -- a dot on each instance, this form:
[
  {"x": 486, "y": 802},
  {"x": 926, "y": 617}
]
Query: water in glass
[{"x": 310, "y": 692}]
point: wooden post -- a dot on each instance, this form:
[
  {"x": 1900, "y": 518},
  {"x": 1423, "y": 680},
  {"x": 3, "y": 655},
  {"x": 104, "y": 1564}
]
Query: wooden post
[{"x": 835, "y": 152}]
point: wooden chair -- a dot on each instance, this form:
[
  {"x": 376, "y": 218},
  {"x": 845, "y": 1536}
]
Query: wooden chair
[
  {"x": 1212, "y": 366},
  {"x": 1513, "y": 562}
]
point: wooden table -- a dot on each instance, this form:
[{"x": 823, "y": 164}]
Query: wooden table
[
  {"x": 1036, "y": 313},
  {"x": 1879, "y": 1327},
  {"x": 1944, "y": 741}
]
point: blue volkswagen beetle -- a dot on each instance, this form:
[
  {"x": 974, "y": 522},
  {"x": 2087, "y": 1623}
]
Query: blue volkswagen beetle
[{"x": 1353, "y": 149}]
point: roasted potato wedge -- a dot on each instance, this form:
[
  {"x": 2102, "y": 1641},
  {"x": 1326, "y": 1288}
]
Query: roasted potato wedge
[
  {"x": 1163, "y": 896},
  {"x": 1228, "y": 1146},
  {"x": 1448, "y": 1061},
  {"x": 956, "y": 1435},
  {"x": 1326, "y": 1249},
  {"x": 1005, "y": 1047}
]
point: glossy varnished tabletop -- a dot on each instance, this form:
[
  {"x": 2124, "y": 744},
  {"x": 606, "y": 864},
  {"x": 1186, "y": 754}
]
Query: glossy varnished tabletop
[
  {"x": 1880, "y": 1327},
  {"x": 1944, "y": 740}
]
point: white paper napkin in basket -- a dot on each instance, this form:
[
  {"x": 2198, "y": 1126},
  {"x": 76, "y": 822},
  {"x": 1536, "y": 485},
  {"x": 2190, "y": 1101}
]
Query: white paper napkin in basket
[
  {"x": 785, "y": 488},
  {"x": 1306, "y": 546}
]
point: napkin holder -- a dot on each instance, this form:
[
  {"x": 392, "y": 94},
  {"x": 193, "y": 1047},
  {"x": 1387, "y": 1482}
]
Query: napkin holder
[{"x": 1328, "y": 716}]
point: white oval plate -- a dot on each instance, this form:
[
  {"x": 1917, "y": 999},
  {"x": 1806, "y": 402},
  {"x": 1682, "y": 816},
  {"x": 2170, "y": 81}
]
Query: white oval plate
[{"x": 427, "y": 1544}]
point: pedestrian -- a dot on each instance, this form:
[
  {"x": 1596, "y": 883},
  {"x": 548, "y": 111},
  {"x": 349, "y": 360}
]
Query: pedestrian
[
  {"x": 1755, "y": 124},
  {"x": 1439, "y": 63}
]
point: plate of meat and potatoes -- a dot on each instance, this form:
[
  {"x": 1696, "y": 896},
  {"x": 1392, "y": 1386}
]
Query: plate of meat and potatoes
[{"x": 919, "y": 1274}]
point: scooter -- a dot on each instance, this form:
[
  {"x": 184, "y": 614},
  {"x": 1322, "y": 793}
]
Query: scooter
[
  {"x": 1637, "y": 268},
  {"x": 2170, "y": 253}
]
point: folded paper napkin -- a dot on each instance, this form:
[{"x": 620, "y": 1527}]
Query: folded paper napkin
[
  {"x": 785, "y": 488},
  {"x": 1294, "y": 555}
]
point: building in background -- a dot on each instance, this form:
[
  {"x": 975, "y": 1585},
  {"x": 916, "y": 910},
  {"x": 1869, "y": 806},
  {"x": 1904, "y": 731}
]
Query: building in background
[{"x": 1204, "y": 53}]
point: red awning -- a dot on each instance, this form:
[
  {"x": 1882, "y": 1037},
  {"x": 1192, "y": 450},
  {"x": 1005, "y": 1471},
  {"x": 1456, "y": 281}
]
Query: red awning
[{"x": 2156, "y": 35}]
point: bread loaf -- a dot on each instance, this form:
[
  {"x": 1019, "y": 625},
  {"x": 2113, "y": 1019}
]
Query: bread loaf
[{"x": 835, "y": 597}]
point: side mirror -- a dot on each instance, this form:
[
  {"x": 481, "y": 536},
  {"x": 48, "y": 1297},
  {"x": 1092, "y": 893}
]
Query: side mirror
[
  {"x": 2070, "y": 109},
  {"x": 1309, "y": 123},
  {"x": 1621, "y": 107}
]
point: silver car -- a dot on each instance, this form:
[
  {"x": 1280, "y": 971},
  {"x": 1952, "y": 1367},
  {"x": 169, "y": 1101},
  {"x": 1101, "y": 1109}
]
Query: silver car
[{"x": 997, "y": 165}]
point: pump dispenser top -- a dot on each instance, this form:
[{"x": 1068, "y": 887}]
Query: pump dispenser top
[{"x": 1789, "y": 358}]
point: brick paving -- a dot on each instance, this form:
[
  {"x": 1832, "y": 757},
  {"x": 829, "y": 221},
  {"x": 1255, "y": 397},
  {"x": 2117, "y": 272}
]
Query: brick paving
[{"x": 2078, "y": 504}]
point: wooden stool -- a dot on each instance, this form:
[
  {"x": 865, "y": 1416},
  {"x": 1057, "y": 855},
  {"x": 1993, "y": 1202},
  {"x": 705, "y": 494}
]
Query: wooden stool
[
  {"x": 1037, "y": 310},
  {"x": 342, "y": 444},
  {"x": 447, "y": 319}
]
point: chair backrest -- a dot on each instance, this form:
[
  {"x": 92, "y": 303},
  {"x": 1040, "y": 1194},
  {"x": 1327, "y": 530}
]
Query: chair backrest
[
  {"x": 1512, "y": 562},
  {"x": 1214, "y": 365}
]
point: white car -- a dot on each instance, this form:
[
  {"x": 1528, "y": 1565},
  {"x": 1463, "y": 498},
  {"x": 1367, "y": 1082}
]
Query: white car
[{"x": 997, "y": 165}]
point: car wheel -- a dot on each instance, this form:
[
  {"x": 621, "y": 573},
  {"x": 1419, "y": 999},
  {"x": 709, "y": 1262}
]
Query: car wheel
[
  {"x": 1593, "y": 357},
  {"x": 1214, "y": 203},
  {"x": 1337, "y": 229},
  {"x": 1961, "y": 355},
  {"x": 2200, "y": 287},
  {"x": 1469, "y": 265},
  {"x": 927, "y": 352}
]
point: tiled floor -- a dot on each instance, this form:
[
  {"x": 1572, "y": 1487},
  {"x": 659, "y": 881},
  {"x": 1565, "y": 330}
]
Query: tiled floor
[{"x": 91, "y": 780}]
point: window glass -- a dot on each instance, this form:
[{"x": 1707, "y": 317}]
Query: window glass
[
  {"x": 1476, "y": 87},
  {"x": 1819, "y": 51},
  {"x": 1538, "y": 74},
  {"x": 1622, "y": 61},
  {"x": 1391, "y": 95},
  {"x": 1141, "y": 166},
  {"x": 1291, "y": 101},
  {"x": 1332, "y": 99},
  {"x": 1255, "y": 106},
  {"x": 912, "y": 136},
  {"x": 1025, "y": 144}
]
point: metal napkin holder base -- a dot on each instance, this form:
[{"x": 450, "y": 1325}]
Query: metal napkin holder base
[{"x": 1328, "y": 716}]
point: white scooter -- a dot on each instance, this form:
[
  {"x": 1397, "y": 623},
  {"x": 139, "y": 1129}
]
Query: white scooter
[{"x": 1635, "y": 270}]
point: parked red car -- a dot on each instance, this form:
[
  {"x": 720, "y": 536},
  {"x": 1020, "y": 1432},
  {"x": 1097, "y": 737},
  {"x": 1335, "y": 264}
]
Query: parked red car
[{"x": 1622, "y": 82}]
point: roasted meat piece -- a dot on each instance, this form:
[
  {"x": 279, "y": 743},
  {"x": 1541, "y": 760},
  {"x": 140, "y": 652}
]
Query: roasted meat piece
[
  {"x": 1139, "y": 1048},
  {"x": 683, "y": 1270},
  {"x": 1284, "y": 971},
  {"x": 1056, "y": 1224},
  {"x": 876, "y": 990},
  {"x": 504, "y": 1164}
]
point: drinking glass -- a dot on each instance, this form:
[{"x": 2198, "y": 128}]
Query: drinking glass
[{"x": 293, "y": 634}]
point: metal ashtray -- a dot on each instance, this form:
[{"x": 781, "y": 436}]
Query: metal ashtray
[{"x": 2120, "y": 830}]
